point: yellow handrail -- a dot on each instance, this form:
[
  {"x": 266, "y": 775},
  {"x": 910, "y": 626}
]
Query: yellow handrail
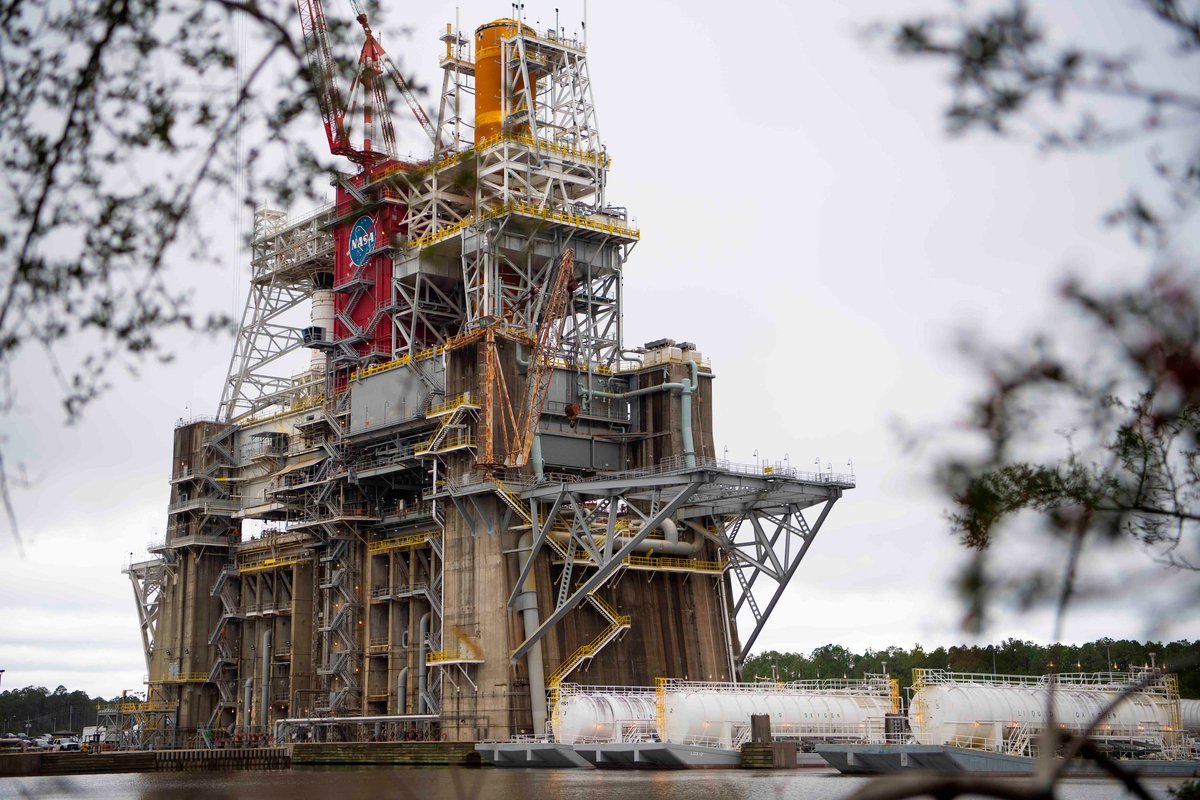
[
  {"x": 445, "y": 656},
  {"x": 187, "y": 677},
  {"x": 261, "y": 564},
  {"x": 401, "y": 542}
]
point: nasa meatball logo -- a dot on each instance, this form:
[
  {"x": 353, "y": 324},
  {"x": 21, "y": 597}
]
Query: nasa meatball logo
[{"x": 362, "y": 240}]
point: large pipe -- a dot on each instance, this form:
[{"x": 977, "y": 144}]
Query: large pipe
[
  {"x": 686, "y": 388},
  {"x": 424, "y": 636},
  {"x": 402, "y": 690},
  {"x": 264, "y": 690},
  {"x": 247, "y": 702},
  {"x": 669, "y": 545},
  {"x": 527, "y": 604}
]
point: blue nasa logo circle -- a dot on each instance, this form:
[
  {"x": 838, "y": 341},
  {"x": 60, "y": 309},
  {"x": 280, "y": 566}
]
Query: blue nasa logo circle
[{"x": 362, "y": 240}]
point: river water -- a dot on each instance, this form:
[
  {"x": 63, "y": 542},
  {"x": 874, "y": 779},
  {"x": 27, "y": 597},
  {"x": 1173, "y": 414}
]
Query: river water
[{"x": 426, "y": 783}]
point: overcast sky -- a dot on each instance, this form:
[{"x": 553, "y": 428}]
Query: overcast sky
[{"x": 805, "y": 221}]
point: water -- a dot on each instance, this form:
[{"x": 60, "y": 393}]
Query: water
[{"x": 425, "y": 783}]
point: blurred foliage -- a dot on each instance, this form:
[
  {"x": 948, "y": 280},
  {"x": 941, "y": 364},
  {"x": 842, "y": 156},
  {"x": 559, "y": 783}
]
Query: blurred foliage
[
  {"x": 128, "y": 128},
  {"x": 1010, "y": 657},
  {"x": 1115, "y": 377}
]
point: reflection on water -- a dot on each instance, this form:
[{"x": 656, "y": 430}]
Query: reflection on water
[{"x": 429, "y": 783}]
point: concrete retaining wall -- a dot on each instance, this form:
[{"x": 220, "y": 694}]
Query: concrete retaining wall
[
  {"x": 394, "y": 753},
  {"x": 142, "y": 761},
  {"x": 769, "y": 755}
]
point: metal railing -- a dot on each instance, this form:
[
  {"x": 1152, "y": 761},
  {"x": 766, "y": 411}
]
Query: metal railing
[
  {"x": 458, "y": 401},
  {"x": 459, "y": 656},
  {"x": 871, "y": 686},
  {"x": 401, "y": 542}
]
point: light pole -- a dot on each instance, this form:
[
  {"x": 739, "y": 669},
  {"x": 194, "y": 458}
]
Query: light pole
[
  {"x": 850, "y": 464},
  {"x": 817, "y": 461},
  {"x": 756, "y": 459}
]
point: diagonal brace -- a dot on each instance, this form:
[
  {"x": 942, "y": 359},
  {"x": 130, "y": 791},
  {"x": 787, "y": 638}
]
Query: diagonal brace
[
  {"x": 791, "y": 571},
  {"x": 536, "y": 547},
  {"x": 606, "y": 569}
]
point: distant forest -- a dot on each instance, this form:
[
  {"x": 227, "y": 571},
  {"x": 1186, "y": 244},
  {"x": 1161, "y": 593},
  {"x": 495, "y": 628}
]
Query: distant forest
[
  {"x": 1011, "y": 657},
  {"x": 36, "y": 709}
]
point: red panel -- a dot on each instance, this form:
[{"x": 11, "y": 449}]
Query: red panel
[{"x": 362, "y": 303}]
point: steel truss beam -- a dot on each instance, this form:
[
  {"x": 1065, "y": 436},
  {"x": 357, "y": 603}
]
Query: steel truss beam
[
  {"x": 286, "y": 256},
  {"x": 753, "y": 553},
  {"x": 148, "y": 579},
  {"x": 756, "y": 521},
  {"x": 666, "y": 502}
]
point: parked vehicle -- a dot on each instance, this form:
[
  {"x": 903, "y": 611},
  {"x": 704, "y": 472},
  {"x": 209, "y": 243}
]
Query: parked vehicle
[{"x": 94, "y": 738}]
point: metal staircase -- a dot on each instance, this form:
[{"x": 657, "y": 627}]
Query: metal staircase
[
  {"x": 223, "y": 672},
  {"x": 618, "y": 624},
  {"x": 453, "y": 414}
]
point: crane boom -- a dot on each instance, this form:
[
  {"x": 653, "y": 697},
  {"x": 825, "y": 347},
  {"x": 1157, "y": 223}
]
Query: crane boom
[
  {"x": 321, "y": 67},
  {"x": 554, "y": 317},
  {"x": 397, "y": 78},
  {"x": 411, "y": 99}
]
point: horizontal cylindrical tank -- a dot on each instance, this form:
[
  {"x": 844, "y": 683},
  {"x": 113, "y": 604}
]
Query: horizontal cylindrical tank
[
  {"x": 706, "y": 715},
  {"x": 943, "y": 713},
  {"x": 696, "y": 716},
  {"x": 1190, "y": 711},
  {"x": 603, "y": 716}
]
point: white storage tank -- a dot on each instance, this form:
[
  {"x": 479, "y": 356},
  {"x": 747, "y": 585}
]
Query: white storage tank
[
  {"x": 601, "y": 716},
  {"x": 718, "y": 714},
  {"x": 981, "y": 713},
  {"x": 1190, "y": 711},
  {"x": 714, "y": 717}
]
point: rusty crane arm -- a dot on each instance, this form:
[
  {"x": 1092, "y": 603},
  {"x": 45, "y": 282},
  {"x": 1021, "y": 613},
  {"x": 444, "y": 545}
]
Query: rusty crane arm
[{"x": 541, "y": 368}]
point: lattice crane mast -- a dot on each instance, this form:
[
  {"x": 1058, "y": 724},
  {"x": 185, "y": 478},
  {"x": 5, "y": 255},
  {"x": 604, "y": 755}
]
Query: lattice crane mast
[
  {"x": 406, "y": 91},
  {"x": 549, "y": 334},
  {"x": 373, "y": 62},
  {"x": 322, "y": 69}
]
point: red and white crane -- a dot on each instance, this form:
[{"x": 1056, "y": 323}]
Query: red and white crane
[{"x": 373, "y": 64}]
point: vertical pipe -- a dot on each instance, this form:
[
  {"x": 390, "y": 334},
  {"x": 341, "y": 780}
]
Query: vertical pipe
[
  {"x": 264, "y": 690},
  {"x": 527, "y": 605},
  {"x": 685, "y": 423},
  {"x": 685, "y": 413},
  {"x": 421, "y": 678},
  {"x": 247, "y": 702},
  {"x": 402, "y": 691}
]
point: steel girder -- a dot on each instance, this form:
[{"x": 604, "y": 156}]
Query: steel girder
[
  {"x": 286, "y": 256},
  {"x": 663, "y": 502},
  {"x": 755, "y": 520},
  {"x": 148, "y": 579}
]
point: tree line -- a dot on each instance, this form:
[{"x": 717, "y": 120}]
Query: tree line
[
  {"x": 1010, "y": 657},
  {"x": 36, "y": 709}
]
